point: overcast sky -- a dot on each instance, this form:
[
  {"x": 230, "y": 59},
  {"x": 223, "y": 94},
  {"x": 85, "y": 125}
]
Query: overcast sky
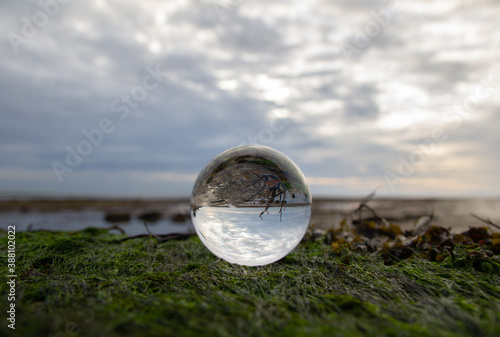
[{"x": 402, "y": 96}]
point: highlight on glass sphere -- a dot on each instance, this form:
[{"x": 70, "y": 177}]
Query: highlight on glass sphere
[{"x": 251, "y": 205}]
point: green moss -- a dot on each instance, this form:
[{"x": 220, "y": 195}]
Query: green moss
[{"x": 92, "y": 282}]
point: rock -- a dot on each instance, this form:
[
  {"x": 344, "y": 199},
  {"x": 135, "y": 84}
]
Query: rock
[
  {"x": 117, "y": 217},
  {"x": 180, "y": 217},
  {"x": 477, "y": 234},
  {"x": 150, "y": 217},
  {"x": 436, "y": 235}
]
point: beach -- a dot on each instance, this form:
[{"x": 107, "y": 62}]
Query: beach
[{"x": 79, "y": 213}]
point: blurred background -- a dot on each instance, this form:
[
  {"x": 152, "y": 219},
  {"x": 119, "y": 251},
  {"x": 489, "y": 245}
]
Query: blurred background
[{"x": 108, "y": 98}]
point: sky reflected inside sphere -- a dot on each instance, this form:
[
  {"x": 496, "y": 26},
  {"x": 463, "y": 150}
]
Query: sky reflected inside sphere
[{"x": 239, "y": 235}]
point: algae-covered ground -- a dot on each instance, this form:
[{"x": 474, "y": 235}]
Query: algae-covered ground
[{"x": 91, "y": 283}]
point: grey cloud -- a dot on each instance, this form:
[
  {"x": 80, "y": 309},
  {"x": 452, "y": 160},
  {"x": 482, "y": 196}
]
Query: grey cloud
[
  {"x": 360, "y": 104},
  {"x": 355, "y": 5},
  {"x": 440, "y": 75},
  {"x": 55, "y": 87},
  {"x": 252, "y": 36}
]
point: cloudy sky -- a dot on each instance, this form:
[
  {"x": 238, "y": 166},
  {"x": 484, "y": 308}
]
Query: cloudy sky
[{"x": 133, "y": 98}]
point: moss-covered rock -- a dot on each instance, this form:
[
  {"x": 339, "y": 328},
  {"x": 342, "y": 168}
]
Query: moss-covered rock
[{"x": 91, "y": 284}]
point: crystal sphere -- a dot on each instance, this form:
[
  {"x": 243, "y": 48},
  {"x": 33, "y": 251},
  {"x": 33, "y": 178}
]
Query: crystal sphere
[{"x": 251, "y": 205}]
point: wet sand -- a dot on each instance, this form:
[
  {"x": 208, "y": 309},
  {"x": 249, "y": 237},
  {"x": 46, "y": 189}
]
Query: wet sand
[{"x": 78, "y": 214}]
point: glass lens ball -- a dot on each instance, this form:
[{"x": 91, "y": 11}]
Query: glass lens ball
[{"x": 251, "y": 205}]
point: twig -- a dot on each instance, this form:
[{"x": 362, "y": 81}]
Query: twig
[
  {"x": 159, "y": 238},
  {"x": 151, "y": 234},
  {"x": 175, "y": 236},
  {"x": 487, "y": 220},
  {"x": 377, "y": 216},
  {"x": 368, "y": 198},
  {"x": 363, "y": 204}
]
